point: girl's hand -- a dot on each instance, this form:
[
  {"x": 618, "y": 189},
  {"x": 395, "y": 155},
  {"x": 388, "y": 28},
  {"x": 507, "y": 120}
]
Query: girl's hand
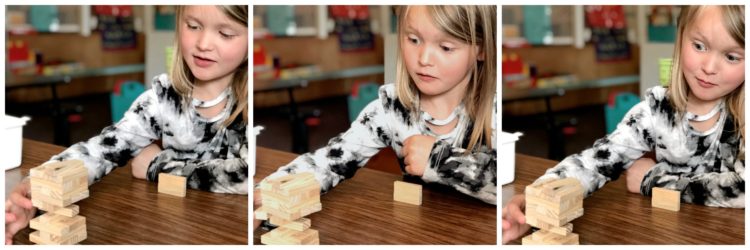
[
  {"x": 416, "y": 153},
  {"x": 18, "y": 210},
  {"x": 257, "y": 202},
  {"x": 143, "y": 159},
  {"x": 514, "y": 220},
  {"x": 634, "y": 175}
]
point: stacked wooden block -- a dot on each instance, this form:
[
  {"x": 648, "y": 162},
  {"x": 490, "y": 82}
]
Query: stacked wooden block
[
  {"x": 550, "y": 206},
  {"x": 286, "y": 200},
  {"x": 54, "y": 188}
]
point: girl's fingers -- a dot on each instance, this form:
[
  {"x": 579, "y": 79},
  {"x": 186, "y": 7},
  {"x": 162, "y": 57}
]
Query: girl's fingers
[
  {"x": 9, "y": 217},
  {"x": 20, "y": 200},
  {"x": 516, "y": 214}
]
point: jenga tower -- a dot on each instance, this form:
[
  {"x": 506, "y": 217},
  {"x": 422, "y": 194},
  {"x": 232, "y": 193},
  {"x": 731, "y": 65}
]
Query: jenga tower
[
  {"x": 550, "y": 206},
  {"x": 286, "y": 200},
  {"x": 54, "y": 187}
]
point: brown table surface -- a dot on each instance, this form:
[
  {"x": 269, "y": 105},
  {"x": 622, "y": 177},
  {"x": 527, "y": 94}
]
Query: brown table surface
[
  {"x": 121, "y": 209},
  {"x": 614, "y": 216},
  {"x": 361, "y": 210}
]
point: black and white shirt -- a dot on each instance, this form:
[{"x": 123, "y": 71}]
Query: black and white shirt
[
  {"x": 386, "y": 123},
  {"x": 212, "y": 157},
  {"x": 704, "y": 166}
]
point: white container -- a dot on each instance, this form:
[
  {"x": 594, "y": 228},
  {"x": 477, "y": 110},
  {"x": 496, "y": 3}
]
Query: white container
[
  {"x": 12, "y": 141},
  {"x": 507, "y": 157}
]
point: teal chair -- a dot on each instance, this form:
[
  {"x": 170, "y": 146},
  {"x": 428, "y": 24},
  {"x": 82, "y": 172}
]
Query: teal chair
[
  {"x": 123, "y": 95},
  {"x": 619, "y": 105},
  {"x": 362, "y": 94}
]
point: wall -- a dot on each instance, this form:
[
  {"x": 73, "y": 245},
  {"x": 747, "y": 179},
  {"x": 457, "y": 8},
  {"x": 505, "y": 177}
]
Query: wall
[
  {"x": 582, "y": 63},
  {"x": 326, "y": 54},
  {"x": 84, "y": 49}
]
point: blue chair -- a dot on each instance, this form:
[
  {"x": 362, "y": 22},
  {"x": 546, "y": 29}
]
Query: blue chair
[
  {"x": 124, "y": 94},
  {"x": 619, "y": 105},
  {"x": 362, "y": 94}
]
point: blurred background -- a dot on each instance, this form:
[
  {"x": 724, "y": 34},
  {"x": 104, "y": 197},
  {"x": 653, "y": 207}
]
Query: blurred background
[
  {"x": 570, "y": 73},
  {"x": 315, "y": 68},
  {"x": 75, "y": 69}
]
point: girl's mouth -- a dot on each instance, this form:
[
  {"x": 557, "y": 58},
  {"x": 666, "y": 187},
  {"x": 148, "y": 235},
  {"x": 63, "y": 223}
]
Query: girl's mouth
[
  {"x": 705, "y": 84},
  {"x": 426, "y": 77},
  {"x": 202, "y": 61}
]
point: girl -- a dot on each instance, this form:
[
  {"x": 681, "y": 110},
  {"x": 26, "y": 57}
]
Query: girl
[
  {"x": 695, "y": 127},
  {"x": 439, "y": 117},
  {"x": 198, "y": 111}
]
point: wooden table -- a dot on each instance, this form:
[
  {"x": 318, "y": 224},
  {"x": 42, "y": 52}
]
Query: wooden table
[
  {"x": 361, "y": 210},
  {"x": 614, "y": 216},
  {"x": 123, "y": 210}
]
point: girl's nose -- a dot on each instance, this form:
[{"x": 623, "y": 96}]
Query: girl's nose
[
  {"x": 710, "y": 66},
  {"x": 425, "y": 57},
  {"x": 204, "y": 42}
]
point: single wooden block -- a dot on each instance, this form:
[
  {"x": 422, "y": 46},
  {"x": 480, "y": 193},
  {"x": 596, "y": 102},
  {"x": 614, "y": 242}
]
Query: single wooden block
[
  {"x": 665, "y": 198},
  {"x": 59, "y": 172},
  {"x": 285, "y": 236},
  {"x": 68, "y": 211},
  {"x": 172, "y": 184},
  {"x": 548, "y": 238},
  {"x": 300, "y": 224},
  {"x": 407, "y": 192}
]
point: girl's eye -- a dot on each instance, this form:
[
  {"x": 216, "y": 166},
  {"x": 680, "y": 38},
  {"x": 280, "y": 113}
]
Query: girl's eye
[
  {"x": 192, "y": 27},
  {"x": 699, "y": 46},
  {"x": 226, "y": 35},
  {"x": 733, "y": 58},
  {"x": 413, "y": 40},
  {"x": 446, "y": 48}
]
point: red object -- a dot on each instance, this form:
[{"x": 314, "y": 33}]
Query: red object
[
  {"x": 259, "y": 55},
  {"x": 113, "y": 10},
  {"x": 358, "y": 12},
  {"x": 605, "y": 16},
  {"x": 74, "y": 118},
  {"x": 18, "y": 51},
  {"x": 512, "y": 64},
  {"x": 312, "y": 121},
  {"x": 570, "y": 130}
]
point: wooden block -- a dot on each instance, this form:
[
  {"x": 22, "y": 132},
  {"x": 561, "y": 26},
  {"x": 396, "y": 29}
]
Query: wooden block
[
  {"x": 563, "y": 230},
  {"x": 548, "y": 238},
  {"x": 59, "y": 172},
  {"x": 172, "y": 184},
  {"x": 407, "y": 192},
  {"x": 57, "y": 225},
  {"x": 665, "y": 198},
  {"x": 68, "y": 211},
  {"x": 296, "y": 214},
  {"x": 261, "y": 214},
  {"x": 43, "y": 238},
  {"x": 300, "y": 224},
  {"x": 285, "y": 236}
]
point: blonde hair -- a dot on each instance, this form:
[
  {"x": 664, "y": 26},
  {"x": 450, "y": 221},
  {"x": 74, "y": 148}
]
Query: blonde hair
[
  {"x": 474, "y": 25},
  {"x": 734, "y": 22},
  {"x": 182, "y": 79}
]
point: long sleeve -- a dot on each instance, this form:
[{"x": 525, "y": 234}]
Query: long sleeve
[
  {"x": 225, "y": 171},
  {"x": 118, "y": 143},
  {"x": 716, "y": 189},
  {"x": 609, "y": 156},
  {"x": 473, "y": 173},
  {"x": 347, "y": 152}
]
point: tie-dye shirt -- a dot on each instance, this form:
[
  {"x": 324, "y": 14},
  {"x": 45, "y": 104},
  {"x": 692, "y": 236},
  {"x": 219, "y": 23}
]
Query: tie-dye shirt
[
  {"x": 703, "y": 165},
  {"x": 387, "y": 123},
  {"x": 212, "y": 157}
]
